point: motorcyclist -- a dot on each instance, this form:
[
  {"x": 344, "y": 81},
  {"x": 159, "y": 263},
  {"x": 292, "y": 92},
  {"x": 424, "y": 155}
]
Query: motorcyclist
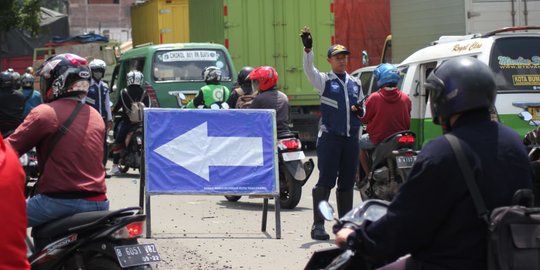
[
  {"x": 32, "y": 97},
  {"x": 433, "y": 217},
  {"x": 212, "y": 95},
  {"x": 11, "y": 104},
  {"x": 264, "y": 81},
  {"x": 243, "y": 91},
  {"x": 387, "y": 111},
  {"x": 73, "y": 177},
  {"x": 134, "y": 92},
  {"x": 13, "y": 210},
  {"x": 98, "y": 97}
]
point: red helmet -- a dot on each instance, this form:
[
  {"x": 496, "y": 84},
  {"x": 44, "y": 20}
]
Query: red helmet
[
  {"x": 62, "y": 76},
  {"x": 266, "y": 77}
]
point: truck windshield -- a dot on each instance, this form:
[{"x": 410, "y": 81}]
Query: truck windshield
[
  {"x": 188, "y": 65},
  {"x": 515, "y": 62}
]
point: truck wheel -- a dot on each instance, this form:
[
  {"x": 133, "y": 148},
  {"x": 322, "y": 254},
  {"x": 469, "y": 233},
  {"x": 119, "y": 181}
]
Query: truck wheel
[
  {"x": 290, "y": 190},
  {"x": 232, "y": 198}
]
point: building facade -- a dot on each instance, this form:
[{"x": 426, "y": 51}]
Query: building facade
[{"x": 109, "y": 18}]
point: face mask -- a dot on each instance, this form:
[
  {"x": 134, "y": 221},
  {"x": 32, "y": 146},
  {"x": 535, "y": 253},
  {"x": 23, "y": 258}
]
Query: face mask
[{"x": 97, "y": 75}]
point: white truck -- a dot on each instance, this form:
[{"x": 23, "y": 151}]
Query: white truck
[{"x": 416, "y": 23}]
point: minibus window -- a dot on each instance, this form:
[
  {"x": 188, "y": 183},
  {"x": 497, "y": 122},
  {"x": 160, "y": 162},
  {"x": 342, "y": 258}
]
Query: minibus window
[
  {"x": 515, "y": 62},
  {"x": 188, "y": 65}
]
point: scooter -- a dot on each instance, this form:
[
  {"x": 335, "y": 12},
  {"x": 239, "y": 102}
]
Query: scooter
[
  {"x": 391, "y": 162},
  {"x": 293, "y": 170},
  {"x": 100, "y": 240},
  {"x": 349, "y": 257},
  {"x": 532, "y": 142}
]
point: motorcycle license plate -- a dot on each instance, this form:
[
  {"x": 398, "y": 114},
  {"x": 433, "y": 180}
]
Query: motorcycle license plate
[
  {"x": 289, "y": 156},
  {"x": 133, "y": 255},
  {"x": 405, "y": 162}
]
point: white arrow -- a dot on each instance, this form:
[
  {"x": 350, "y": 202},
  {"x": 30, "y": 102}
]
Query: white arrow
[{"x": 196, "y": 151}]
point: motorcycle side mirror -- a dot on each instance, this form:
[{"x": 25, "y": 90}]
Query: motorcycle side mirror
[
  {"x": 526, "y": 116},
  {"x": 326, "y": 210},
  {"x": 365, "y": 58}
]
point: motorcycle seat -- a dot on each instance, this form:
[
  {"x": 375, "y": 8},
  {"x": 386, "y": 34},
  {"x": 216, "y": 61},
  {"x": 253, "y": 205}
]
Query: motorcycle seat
[
  {"x": 62, "y": 226},
  {"x": 287, "y": 134}
]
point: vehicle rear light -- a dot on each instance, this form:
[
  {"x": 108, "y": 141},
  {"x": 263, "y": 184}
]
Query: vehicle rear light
[
  {"x": 152, "y": 95},
  {"x": 291, "y": 144},
  {"x": 132, "y": 230},
  {"x": 406, "y": 139}
]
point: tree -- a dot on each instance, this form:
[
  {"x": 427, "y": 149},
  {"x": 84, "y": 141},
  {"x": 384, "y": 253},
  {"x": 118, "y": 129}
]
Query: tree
[{"x": 20, "y": 14}]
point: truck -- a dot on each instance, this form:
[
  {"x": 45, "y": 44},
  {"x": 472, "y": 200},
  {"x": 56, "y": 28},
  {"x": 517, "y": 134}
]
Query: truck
[
  {"x": 261, "y": 32},
  {"x": 415, "y": 24}
]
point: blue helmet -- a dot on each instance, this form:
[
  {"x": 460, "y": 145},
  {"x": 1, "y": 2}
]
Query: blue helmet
[
  {"x": 458, "y": 85},
  {"x": 386, "y": 74}
]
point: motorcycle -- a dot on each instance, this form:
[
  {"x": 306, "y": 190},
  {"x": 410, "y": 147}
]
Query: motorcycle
[
  {"x": 29, "y": 163},
  {"x": 131, "y": 155},
  {"x": 349, "y": 257},
  {"x": 532, "y": 142},
  {"x": 293, "y": 171},
  {"x": 390, "y": 163},
  {"x": 99, "y": 240}
]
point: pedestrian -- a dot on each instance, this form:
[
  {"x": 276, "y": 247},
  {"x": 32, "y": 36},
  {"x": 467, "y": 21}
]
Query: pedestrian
[
  {"x": 337, "y": 142},
  {"x": 98, "y": 97}
]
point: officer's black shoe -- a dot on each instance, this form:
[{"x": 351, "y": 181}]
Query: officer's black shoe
[{"x": 318, "y": 232}]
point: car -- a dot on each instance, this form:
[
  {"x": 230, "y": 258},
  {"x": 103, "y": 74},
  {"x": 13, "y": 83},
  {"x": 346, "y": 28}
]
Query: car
[{"x": 365, "y": 75}]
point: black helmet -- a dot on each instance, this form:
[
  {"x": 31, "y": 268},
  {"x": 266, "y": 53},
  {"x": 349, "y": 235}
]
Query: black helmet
[
  {"x": 62, "y": 76},
  {"x": 6, "y": 81},
  {"x": 242, "y": 76},
  {"x": 27, "y": 80},
  {"x": 458, "y": 85}
]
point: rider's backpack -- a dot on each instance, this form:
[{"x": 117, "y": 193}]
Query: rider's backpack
[
  {"x": 514, "y": 231},
  {"x": 136, "y": 110}
]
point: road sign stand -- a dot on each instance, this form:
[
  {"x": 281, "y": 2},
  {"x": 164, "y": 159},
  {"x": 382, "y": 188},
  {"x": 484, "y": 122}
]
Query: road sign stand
[
  {"x": 277, "y": 209},
  {"x": 167, "y": 170}
]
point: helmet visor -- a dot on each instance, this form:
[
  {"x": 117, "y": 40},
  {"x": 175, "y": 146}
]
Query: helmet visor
[{"x": 255, "y": 86}]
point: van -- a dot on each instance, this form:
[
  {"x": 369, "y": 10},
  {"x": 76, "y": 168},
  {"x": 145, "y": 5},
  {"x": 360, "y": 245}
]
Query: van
[
  {"x": 170, "y": 69},
  {"x": 512, "y": 55}
]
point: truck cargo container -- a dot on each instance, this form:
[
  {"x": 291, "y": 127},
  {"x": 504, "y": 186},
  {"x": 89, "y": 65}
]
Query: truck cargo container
[
  {"x": 160, "y": 21},
  {"x": 416, "y": 23}
]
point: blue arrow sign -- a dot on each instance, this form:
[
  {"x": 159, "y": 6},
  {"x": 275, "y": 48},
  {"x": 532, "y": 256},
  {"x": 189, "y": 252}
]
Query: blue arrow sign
[{"x": 210, "y": 151}]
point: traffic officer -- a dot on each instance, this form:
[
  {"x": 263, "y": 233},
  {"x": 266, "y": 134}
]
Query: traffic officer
[
  {"x": 337, "y": 143},
  {"x": 98, "y": 98}
]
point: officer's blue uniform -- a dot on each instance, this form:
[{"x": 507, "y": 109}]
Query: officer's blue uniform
[
  {"x": 337, "y": 145},
  {"x": 433, "y": 217},
  {"x": 98, "y": 97}
]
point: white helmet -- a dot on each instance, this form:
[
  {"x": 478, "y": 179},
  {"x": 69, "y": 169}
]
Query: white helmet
[
  {"x": 97, "y": 67},
  {"x": 135, "y": 77},
  {"x": 212, "y": 74}
]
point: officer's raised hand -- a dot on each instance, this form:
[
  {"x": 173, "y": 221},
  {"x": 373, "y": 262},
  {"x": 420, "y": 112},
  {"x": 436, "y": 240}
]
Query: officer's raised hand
[{"x": 307, "y": 40}]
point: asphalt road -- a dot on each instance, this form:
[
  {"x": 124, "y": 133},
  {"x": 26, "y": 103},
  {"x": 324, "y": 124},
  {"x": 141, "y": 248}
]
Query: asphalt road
[{"x": 209, "y": 232}]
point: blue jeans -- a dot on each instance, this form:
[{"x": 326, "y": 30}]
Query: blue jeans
[{"x": 42, "y": 209}]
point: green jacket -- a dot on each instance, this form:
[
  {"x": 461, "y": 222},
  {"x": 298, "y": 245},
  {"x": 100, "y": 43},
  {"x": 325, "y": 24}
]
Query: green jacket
[{"x": 210, "y": 94}]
